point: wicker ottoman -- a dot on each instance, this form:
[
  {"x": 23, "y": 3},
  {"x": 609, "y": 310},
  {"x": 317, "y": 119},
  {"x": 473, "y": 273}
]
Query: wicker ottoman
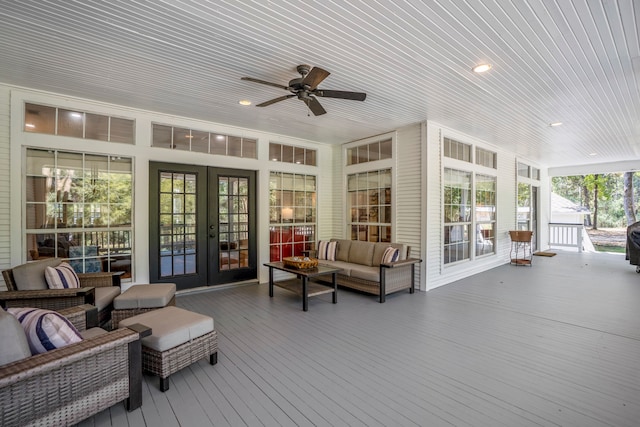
[
  {"x": 139, "y": 299},
  {"x": 178, "y": 338}
]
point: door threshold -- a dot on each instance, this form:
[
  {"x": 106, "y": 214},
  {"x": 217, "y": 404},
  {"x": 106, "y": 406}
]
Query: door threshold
[{"x": 216, "y": 287}]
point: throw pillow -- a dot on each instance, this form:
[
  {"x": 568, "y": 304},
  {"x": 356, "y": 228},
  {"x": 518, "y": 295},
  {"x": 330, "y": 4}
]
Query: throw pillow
[
  {"x": 327, "y": 250},
  {"x": 61, "y": 277},
  {"x": 45, "y": 329},
  {"x": 390, "y": 254}
]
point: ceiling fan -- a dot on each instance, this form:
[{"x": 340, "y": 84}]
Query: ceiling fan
[{"x": 306, "y": 89}]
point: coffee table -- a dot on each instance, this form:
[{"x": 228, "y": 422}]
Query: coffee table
[{"x": 301, "y": 284}]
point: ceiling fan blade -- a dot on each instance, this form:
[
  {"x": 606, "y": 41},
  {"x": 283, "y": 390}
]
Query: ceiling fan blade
[
  {"x": 251, "y": 79},
  {"x": 314, "y": 106},
  {"x": 356, "y": 96},
  {"x": 315, "y": 76},
  {"x": 273, "y": 101}
]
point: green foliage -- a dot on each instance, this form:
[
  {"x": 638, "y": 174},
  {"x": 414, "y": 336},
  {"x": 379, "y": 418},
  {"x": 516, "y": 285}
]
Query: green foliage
[{"x": 610, "y": 195}]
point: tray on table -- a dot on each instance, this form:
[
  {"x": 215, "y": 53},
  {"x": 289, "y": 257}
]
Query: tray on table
[{"x": 300, "y": 263}]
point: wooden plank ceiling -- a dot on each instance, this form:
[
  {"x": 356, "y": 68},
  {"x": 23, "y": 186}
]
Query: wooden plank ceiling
[{"x": 573, "y": 61}]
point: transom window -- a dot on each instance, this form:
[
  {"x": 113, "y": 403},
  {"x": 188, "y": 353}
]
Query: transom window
[
  {"x": 377, "y": 150},
  {"x": 184, "y": 139},
  {"x": 77, "y": 124},
  {"x": 291, "y": 154},
  {"x": 457, "y": 150}
]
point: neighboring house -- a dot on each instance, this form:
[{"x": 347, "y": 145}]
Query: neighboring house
[{"x": 564, "y": 211}]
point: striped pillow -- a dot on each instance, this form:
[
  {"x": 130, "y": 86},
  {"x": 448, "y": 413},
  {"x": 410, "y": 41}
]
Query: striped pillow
[
  {"x": 390, "y": 255},
  {"x": 61, "y": 277},
  {"x": 45, "y": 329},
  {"x": 327, "y": 250}
]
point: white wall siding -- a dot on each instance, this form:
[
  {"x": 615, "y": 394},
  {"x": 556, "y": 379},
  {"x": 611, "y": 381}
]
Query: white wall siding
[
  {"x": 5, "y": 181},
  {"x": 409, "y": 193}
]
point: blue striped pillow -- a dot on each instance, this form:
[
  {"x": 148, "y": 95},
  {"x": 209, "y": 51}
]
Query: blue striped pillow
[
  {"x": 45, "y": 329},
  {"x": 327, "y": 250},
  {"x": 61, "y": 277},
  {"x": 390, "y": 254}
]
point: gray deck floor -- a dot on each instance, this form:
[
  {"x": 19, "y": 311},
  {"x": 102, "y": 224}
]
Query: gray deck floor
[{"x": 556, "y": 344}]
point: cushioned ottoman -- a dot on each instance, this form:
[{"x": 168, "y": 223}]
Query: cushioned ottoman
[
  {"x": 178, "y": 338},
  {"x": 139, "y": 299}
]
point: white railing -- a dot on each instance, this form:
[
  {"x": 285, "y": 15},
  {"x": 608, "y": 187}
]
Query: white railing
[{"x": 566, "y": 235}]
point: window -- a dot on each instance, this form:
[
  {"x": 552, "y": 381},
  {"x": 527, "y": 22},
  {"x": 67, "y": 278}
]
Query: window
[
  {"x": 292, "y": 214},
  {"x": 290, "y": 154},
  {"x": 523, "y": 170},
  {"x": 77, "y": 124},
  {"x": 457, "y": 215},
  {"x": 457, "y": 150},
  {"x": 378, "y": 150},
  {"x": 79, "y": 206},
  {"x": 486, "y": 158},
  {"x": 369, "y": 199},
  {"x": 203, "y": 142},
  {"x": 485, "y": 214}
]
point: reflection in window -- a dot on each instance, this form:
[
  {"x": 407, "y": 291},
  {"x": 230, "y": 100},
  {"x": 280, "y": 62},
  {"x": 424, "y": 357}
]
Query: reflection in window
[
  {"x": 292, "y": 214},
  {"x": 485, "y": 214},
  {"x": 79, "y": 206},
  {"x": 369, "y": 205},
  {"x": 457, "y": 215}
]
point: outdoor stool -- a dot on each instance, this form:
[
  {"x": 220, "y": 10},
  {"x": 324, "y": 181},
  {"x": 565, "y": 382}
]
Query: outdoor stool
[
  {"x": 140, "y": 299},
  {"x": 178, "y": 338}
]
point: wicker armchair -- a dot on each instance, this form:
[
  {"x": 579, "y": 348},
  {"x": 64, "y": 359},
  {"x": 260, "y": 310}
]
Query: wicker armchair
[
  {"x": 65, "y": 386},
  {"x": 36, "y": 294}
]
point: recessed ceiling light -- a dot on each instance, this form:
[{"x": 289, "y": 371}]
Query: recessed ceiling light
[
  {"x": 244, "y": 102},
  {"x": 555, "y": 124},
  {"x": 593, "y": 154},
  {"x": 481, "y": 68}
]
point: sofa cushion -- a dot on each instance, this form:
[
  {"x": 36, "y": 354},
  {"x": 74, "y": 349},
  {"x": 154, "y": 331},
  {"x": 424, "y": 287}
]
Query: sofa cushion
[
  {"x": 345, "y": 266},
  {"x": 45, "y": 329},
  {"x": 366, "y": 273},
  {"x": 14, "y": 341},
  {"x": 342, "y": 250},
  {"x": 30, "y": 276},
  {"x": 390, "y": 255},
  {"x": 327, "y": 250},
  {"x": 92, "y": 333},
  {"x": 61, "y": 277},
  {"x": 145, "y": 296},
  {"x": 105, "y": 296},
  {"x": 361, "y": 253}
]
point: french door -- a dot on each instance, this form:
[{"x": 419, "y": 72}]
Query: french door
[{"x": 202, "y": 225}]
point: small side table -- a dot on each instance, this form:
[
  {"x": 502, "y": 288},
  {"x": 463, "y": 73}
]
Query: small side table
[{"x": 521, "y": 247}]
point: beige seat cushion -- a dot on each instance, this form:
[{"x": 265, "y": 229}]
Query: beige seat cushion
[
  {"x": 145, "y": 296},
  {"x": 171, "y": 326},
  {"x": 30, "y": 276},
  {"x": 14, "y": 341},
  {"x": 366, "y": 273},
  {"x": 105, "y": 295}
]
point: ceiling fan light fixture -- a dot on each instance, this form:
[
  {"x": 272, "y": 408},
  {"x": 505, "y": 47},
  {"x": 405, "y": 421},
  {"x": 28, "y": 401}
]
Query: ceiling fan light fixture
[{"x": 481, "y": 68}]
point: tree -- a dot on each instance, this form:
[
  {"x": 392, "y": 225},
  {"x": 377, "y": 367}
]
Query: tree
[
  {"x": 629, "y": 207},
  {"x": 600, "y": 186}
]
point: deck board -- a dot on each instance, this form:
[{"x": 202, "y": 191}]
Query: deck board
[{"x": 554, "y": 344}]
